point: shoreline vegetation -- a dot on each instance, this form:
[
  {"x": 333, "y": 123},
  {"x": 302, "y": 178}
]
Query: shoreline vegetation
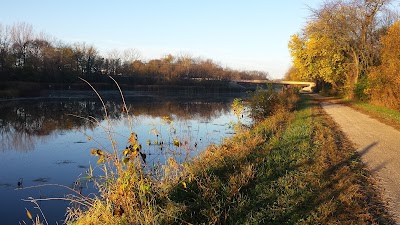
[
  {"x": 22, "y": 89},
  {"x": 294, "y": 166}
]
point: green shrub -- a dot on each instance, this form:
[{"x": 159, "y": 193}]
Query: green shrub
[
  {"x": 360, "y": 89},
  {"x": 264, "y": 103}
]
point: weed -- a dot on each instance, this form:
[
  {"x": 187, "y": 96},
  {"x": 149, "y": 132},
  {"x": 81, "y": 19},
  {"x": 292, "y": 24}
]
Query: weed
[
  {"x": 290, "y": 168},
  {"x": 264, "y": 103},
  {"x": 129, "y": 192}
]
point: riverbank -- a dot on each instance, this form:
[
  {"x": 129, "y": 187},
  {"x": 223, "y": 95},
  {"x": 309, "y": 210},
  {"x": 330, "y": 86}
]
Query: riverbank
[
  {"x": 10, "y": 90},
  {"x": 293, "y": 167},
  {"x": 52, "y": 133}
]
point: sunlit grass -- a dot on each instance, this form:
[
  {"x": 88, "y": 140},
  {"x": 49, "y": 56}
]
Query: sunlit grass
[
  {"x": 385, "y": 115},
  {"x": 290, "y": 168},
  {"x": 384, "y": 112}
]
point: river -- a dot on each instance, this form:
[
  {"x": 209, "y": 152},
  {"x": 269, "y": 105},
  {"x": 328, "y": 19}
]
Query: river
[{"x": 48, "y": 140}]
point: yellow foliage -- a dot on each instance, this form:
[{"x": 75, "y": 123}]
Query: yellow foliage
[
  {"x": 132, "y": 138},
  {"x": 101, "y": 160},
  {"x": 384, "y": 80},
  {"x": 177, "y": 143},
  {"x": 29, "y": 214},
  {"x": 167, "y": 119},
  {"x": 316, "y": 55},
  {"x": 97, "y": 152},
  {"x": 172, "y": 163}
]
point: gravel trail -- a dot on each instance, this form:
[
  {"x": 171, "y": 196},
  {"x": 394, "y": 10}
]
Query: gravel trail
[{"x": 378, "y": 145}]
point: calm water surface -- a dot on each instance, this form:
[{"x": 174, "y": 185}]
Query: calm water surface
[{"x": 44, "y": 141}]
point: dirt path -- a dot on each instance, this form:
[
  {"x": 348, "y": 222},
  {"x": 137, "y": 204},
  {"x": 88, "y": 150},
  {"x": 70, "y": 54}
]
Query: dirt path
[{"x": 378, "y": 145}]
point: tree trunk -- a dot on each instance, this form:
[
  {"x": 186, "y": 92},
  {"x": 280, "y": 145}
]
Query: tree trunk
[{"x": 353, "y": 75}]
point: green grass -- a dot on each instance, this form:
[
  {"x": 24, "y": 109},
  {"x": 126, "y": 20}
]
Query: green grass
[
  {"x": 385, "y": 115},
  {"x": 291, "y": 168},
  {"x": 384, "y": 112},
  {"x": 299, "y": 169}
]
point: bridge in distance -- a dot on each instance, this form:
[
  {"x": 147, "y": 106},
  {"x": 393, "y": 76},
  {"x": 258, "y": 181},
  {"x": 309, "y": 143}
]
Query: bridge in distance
[{"x": 307, "y": 86}]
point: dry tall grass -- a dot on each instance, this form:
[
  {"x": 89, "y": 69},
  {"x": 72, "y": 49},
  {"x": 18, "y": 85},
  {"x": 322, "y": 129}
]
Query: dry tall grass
[{"x": 290, "y": 168}]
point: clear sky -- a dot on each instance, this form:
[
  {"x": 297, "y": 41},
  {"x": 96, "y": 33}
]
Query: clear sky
[{"x": 249, "y": 35}]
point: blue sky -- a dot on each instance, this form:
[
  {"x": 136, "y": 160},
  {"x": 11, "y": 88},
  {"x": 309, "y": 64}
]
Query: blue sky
[{"x": 249, "y": 35}]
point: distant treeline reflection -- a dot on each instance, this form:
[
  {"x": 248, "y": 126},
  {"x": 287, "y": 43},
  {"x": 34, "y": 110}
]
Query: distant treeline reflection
[{"x": 23, "y": 122}]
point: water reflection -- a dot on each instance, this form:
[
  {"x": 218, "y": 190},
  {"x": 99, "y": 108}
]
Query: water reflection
[
  {"x": 41, "y": 143},
  {"x": 22, "y": 123}
]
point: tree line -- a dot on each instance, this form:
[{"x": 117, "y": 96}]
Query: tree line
[
  {"x": 352, "y": 48},
  {"x": 26, "y": 55}
]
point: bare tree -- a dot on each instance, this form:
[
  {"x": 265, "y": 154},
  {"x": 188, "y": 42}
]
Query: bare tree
[
  {"x": 114, "y": 61},
  {"x": 131, "y": 54},
  {"x": 21, "y": 34},
  {"x": 5, "y": 43},
  {"x": 85, "y": 57},
  {"x": 128, "y": 57},
  {"x": 91, "y": 55},
  {"x": 185, "y": 61}
]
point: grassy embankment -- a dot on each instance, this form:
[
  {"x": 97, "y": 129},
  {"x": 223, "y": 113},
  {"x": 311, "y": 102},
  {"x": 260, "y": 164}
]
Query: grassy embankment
[
  {"x": 385, "y": 115},
  {"x": 388, "y": 116},
  {"x": 291, "y": 168}
]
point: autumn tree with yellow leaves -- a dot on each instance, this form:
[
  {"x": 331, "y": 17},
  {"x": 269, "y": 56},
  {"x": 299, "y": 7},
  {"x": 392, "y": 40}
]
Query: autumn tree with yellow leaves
[
  {"x": 384, "y": 80},
  {"x": 339, "y": 43}
]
